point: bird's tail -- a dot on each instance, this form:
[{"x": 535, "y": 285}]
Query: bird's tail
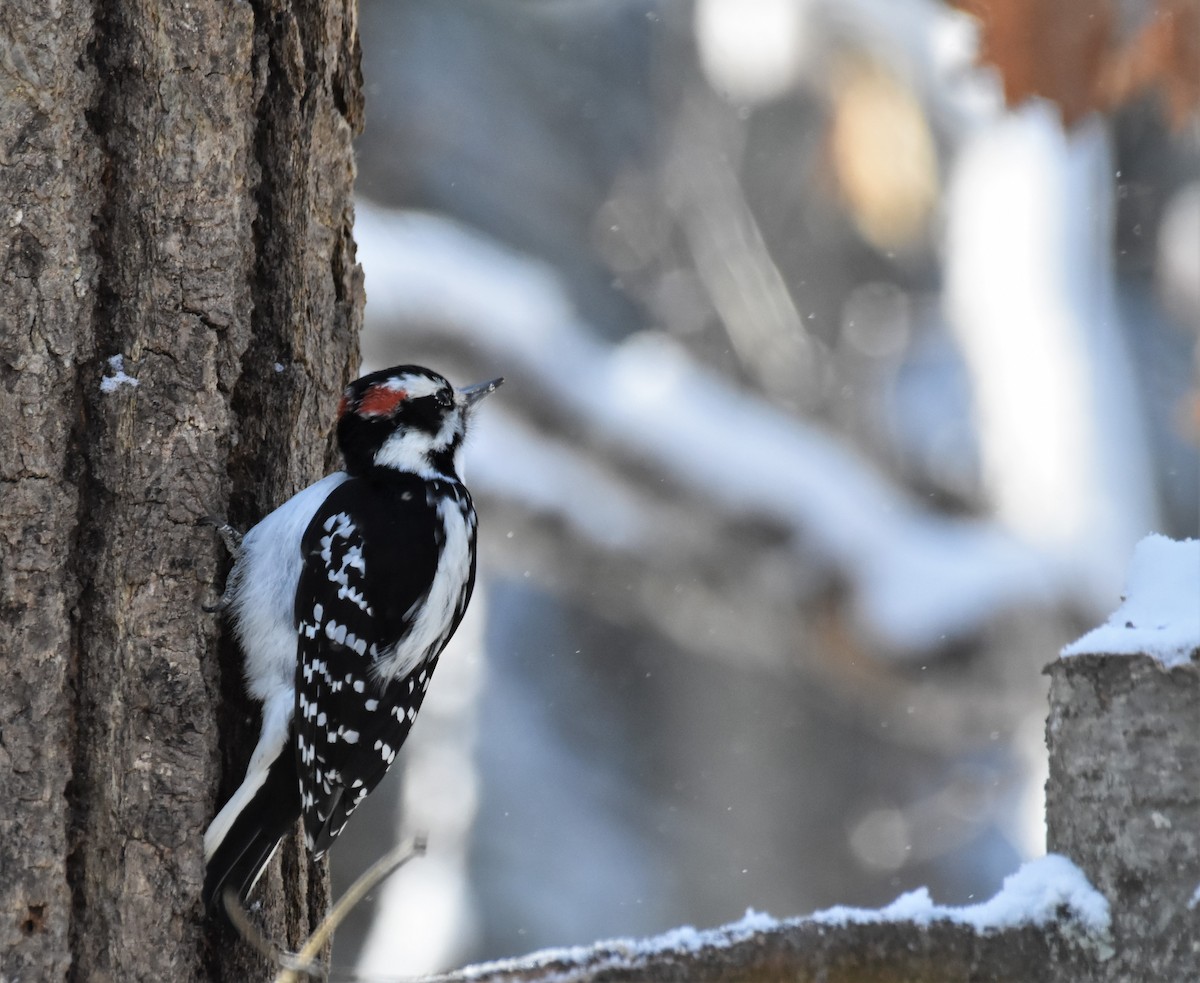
[{"x": 246, "y": 832}]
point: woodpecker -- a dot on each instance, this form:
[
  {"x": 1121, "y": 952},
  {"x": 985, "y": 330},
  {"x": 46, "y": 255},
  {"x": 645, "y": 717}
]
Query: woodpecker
[{"x": 342, "y": 599}]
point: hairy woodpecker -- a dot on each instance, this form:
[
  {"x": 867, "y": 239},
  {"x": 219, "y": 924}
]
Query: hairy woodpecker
[{"x": 342, "y": 599}]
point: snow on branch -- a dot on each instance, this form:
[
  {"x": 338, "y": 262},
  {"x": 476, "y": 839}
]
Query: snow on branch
[
  {"x": 1049, "y": 895},
  {"x": 1040, "y": 892},
  {"x": 916, "y": 577}
]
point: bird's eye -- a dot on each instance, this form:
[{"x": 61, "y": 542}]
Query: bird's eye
[{"x": 444, "y": 399}]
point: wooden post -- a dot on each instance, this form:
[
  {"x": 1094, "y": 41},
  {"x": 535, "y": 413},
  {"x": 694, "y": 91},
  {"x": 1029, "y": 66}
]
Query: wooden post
[{"x": 1123, "y": 802}]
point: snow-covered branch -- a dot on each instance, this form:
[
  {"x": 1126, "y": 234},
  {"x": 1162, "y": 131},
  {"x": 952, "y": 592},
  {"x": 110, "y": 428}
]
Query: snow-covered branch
[
  {"x": 1123, "y": 804},
  {"x": 636, "y": 445},
  {"x": 1045, "y": 910}
]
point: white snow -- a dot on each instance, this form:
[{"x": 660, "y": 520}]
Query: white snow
[
  {"x": 1034, "y": 895},
  {"x": 1160, "y": 614},
  {"x": 1042, "y": 891},
  {"x": 625, "y": 952},
  {"x": 750, "y": 52},
  {"x": 111, "y": 383},
  {"x": 1031, "y": 298},
  {"x": 918, "y": 577}
]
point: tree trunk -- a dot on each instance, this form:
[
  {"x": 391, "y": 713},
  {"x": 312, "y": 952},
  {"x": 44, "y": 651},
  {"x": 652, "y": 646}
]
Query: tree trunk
[
  {"x": 1123, "y": 801},
  {"x": 176, "y": 180}
]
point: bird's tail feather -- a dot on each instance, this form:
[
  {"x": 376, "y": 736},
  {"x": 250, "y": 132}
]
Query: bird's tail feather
[{"x": 245, "y": 834}]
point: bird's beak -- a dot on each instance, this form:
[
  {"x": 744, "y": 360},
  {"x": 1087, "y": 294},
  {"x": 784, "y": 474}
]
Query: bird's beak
[{"x": 473, "y": 394}]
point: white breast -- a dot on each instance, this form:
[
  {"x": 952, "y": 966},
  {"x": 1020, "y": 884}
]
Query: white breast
[{"x": 437, "y": 609}]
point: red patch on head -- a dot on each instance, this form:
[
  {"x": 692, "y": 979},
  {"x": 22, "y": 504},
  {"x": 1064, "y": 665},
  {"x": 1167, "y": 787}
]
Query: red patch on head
[{"x": 380, "y": 401}]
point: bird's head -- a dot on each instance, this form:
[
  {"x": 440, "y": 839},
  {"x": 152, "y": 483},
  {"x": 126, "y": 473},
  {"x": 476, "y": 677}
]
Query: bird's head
[{"x": 408, "y": 418}]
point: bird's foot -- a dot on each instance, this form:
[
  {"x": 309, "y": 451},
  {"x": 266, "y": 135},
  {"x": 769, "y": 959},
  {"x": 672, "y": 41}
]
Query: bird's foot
[{"x": 229, "y": 536}]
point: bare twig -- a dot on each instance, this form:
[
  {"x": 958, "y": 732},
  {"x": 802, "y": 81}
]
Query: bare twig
[
  {"x": 305, "y": 961},
  {"x": 246, "y": 928}
]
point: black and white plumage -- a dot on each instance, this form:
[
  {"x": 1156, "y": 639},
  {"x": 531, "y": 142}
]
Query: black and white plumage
[{"x": 342, "y": 600}]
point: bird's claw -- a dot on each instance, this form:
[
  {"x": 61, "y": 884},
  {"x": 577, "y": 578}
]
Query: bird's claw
[{"x": 229, "y": 536}]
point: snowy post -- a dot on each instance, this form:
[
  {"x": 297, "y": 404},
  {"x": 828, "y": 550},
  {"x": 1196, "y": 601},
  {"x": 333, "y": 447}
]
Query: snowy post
[{"x": 1123, "y": 799}]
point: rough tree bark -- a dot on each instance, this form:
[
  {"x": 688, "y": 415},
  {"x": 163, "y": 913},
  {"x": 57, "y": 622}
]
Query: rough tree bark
[
  {"x": 1123, "y": 801},
  {"x": 175, "y": 182}
]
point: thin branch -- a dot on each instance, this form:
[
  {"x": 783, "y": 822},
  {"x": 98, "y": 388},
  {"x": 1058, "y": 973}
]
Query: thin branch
[
  {"x": 305, "y": 961},
  {"x": 246, "y": 928}
]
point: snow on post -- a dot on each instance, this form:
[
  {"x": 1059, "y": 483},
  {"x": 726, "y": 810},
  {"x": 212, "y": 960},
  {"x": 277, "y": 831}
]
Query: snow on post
[
  {"x": 1123, "y": 800},
  {"x": 1160, "y": 615}
]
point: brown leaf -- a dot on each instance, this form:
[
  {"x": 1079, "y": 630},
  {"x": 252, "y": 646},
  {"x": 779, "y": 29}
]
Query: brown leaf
[
  {"x": 1164, "y": 54},
  {"x": 1072, "y": 53}
]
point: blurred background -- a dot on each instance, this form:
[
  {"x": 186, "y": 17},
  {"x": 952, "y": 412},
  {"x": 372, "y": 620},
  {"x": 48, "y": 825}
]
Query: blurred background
[{"x": 849, "y": 346}]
